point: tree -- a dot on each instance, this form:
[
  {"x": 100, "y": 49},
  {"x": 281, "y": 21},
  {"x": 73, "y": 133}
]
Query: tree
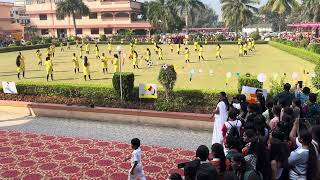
[
  {"x": 167, "y": 78},
  {"x": 207, "y": 17},
  {"x": 282, "y": 7},
  {"x": 161, "y": 15},
  {"x": 311, "y": 10},
  {"x": 72, "y": 8},
  {"x": 186, "y": 7},
  {"x": 235, "y": 12}
]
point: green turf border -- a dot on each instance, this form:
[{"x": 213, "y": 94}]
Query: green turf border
[{"x": 299, "y": 52}]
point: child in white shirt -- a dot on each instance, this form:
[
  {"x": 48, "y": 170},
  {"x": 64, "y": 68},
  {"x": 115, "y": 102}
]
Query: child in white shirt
[{"x": 136, "y": 171}]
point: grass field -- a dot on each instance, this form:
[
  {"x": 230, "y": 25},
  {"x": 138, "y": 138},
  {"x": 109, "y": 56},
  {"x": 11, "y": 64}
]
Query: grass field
[{"x": 265, "y": 59}]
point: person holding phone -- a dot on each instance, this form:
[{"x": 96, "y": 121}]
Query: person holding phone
[{"x": 302, "y": 94}]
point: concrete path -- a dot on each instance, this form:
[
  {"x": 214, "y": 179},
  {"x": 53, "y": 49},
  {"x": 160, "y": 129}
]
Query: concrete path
[{"x": 151, "y": 135}]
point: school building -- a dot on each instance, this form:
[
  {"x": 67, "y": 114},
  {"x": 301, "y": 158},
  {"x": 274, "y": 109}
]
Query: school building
[
  {"x": 106, "y": 17},
  {"x": 8, "y": 26}
]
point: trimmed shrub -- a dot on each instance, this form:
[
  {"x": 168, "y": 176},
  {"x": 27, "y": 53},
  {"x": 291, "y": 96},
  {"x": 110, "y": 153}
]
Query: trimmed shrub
[
  {"x": 28, "y": 43},
  {"x": 248, "y": 80},
  {"x": 219, "y": 37},
  {"x": 194, "y": 101},
  {"x": 299, "y": 52},
  {"x": 314, "y": 47},
  {"x": 103, "y": 37},
  {"x": 316, "y": 80},
  {"x": 167, "y": 77},
  {"x": 127, "y": 84},
  {"x": 304, "y": 43},
  {"x": 255, "y": 35},
  {"x": 276, "y": 86}
]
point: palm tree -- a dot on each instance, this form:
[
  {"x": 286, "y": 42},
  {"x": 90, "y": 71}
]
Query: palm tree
[
  {"x": 311, "y": 10},
  {"x": 282, "y": 7},
  {"x": 185, "y": 8},
  {"x": 72, "y": 8},
  {"x": 235, "y": 12},
  {"x": 161, "y": 15}
]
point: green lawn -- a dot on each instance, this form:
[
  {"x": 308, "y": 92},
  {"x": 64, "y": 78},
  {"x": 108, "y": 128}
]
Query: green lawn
[{"x": 266, "y": 59}]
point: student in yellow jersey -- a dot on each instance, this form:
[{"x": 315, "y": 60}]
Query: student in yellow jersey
[
  {"x": 249, "y": 45},
  {"x": 86, "y": 68},
  {"x": 75, "y": 61},
  {"x": 38, "y": 54},
  {"x": 245, "y": 48},
  {"x": 253, "y": 45},
  {"x": 115, "y": 63},
  {"x": 241, "y": 50},
  {"x": 20, "y": 66},
  {"x": 131, "y": 46},
  {"x": 178, "y": 48},
  {"x": 187, "y": 55},
  {"x": 48, "y": 51},
  {"x": 109, "y": 47},
  {"x": 97, "y": 51},
  {"x": 68, "y": 44},
  {"x": 77, "y": 42},
  {"x": 104, "y": 61},
  {"x": 61, "y": 47},
  {"x": 87, "y": 48},
  {"x": 80, "y": 52},
  {"x": 218, "y": 53},
  {"x": 49, "y": 68},
  {"x": 196, "y": 44},
  {"x": 52, "y": 49},
  {"x": 148, "y": 55},
  {"x": 171, "y": 47},
  {"x": 135, "y": 60},
  {"x": 201, "y": 52}
]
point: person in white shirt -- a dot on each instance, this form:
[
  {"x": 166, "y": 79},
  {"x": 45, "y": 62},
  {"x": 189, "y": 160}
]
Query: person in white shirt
[{"x": 136, "y": 171}]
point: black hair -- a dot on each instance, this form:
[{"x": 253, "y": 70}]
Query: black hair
[
  {"x": 18, "y": 63},
  {"x": 135, "y": 142},
  {"x": 115, "y": 55},
  {"x": 269, "y": 106},
  {"x": 206, "y": 171},
  {"x": 306, "y": 139},
  {"x": 242, "y": 98},
  {"x": 313, "y": 97},
  {"x": 191, "y": 168},
  {"x": 233, "y": 113},
  {"x": 279, "y": 151},
  {"x": 276, "y": 110},
  {"x": 241, "y": 161},
  {"x": 74, "y": 54},
  {"x": 260, "y": 124},
  {"x": 297, "y": 102},
  {"x": 306, "y": 90},
  {"x": 248, "y": 125},
  {"x": 218, "y": 152},
  {"x": 135, "y": 53},
  {"x": 233, "y": 142},
  {"x": 316, "y": 133},
  {"x": 253, "y": 107},
  {"x": 286, "y": 87},
  {"x": 278, "y": 134},
  {"x": 175, "y": 176},
  {"x": 85, "y": 61},
  {"x": 262, "y": 102},
  {"x": 230, "y": 175},
  {"x": 202, "y": 152},
  {"x": 225, "y": 99},
  {"x": 47, "y": 58}
]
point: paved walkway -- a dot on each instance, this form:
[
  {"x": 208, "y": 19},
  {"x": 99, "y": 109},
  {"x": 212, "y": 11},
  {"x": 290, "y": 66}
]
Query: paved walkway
[{"x": 149, "y": 135}]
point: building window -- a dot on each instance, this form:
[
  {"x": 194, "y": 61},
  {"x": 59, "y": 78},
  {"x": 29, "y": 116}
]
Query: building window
[
  {"x": 41, "y": 1},
  {"x": 79, "y": 31},
  {"x": 16, "y": 12},
  {"x": 44, "y": 31},
  {"x": 77, "y": 16},
  {"x": 107, "y": 30},
  {"x": 29, "y": 2},
  {"x": 93, "y": 15},
  {"x": 107, "y": 16},
  {"x": 59, "y": 17},
  {"x": 95, "y": 31},
  {"x": 43, "y": 16},
  {"x": 122, "y": 15}
]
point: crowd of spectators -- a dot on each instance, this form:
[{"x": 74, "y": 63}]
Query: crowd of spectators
[{"x": 272, "y": 139}]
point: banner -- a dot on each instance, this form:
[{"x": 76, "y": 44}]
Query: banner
[
  {"x": 9, "y": 87},
  {"x": 148, "y": 91},
  {"x": 251, "y": 93}
]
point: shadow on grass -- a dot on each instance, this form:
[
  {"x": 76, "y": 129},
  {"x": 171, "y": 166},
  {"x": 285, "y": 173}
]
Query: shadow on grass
[{"x": 37, "y": 77}]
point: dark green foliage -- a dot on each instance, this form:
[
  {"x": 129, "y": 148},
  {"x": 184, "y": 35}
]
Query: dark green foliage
[
  {"x": 299, "y": 52},
  {"x": 194, "y": 101},
  {"x": 127, "y": 84},
  {"x": 316, "y": 80},
  {"x": 255, "y": 35},
  {"x": 167, "y": 77},
  {"x": 248, "y": 81},
  {"x": 314, "y": 47},
  {"x": 219, "y": 37},
  {"x": 103, "y": 37},
  {"x": 304, "y": 43}
]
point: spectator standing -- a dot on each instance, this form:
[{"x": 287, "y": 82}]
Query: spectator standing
[
  {"x": 220, "y": 115},
  {"x": 285, "y": 96}
]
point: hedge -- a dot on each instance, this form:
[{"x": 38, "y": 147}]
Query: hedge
[
  {"x": 299, "y": 52},
  {"x": 248, "y": 80},
  {"x": 127, "y": 84},
  {"x": 194, "y": 101}
]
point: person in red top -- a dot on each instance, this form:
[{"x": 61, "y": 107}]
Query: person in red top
[
  {"x": 232, "y": 123},
  {"x": 219, "y": 160}
]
